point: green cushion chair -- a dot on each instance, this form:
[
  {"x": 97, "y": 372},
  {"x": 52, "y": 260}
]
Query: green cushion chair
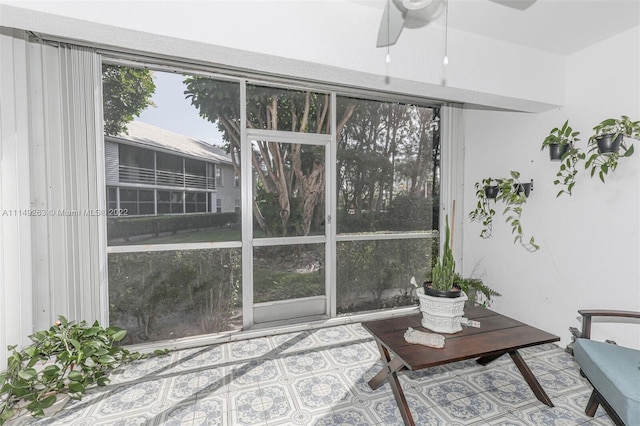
[{"x": 613, "y": 371}]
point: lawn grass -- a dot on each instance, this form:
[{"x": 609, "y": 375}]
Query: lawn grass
[{"x": 198, "y": 236}]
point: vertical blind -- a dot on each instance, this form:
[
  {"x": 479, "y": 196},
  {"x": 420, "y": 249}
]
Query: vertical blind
[{"x": 52, "y": 174}]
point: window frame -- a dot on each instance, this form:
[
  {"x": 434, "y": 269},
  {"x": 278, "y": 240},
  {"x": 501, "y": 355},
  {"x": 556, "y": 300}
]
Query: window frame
[{"x": 266, "y": 80}]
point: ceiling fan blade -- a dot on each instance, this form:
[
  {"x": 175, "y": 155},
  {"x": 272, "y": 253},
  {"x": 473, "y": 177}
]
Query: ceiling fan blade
[
  {"x": 516, "y": 4},
  {"x": 390, "y": 26}
]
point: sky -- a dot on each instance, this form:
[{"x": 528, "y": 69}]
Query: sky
[{"x": 174, "y": 112}]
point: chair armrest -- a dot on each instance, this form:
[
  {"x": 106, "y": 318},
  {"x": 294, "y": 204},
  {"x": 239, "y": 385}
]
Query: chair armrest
[{"x": 587, "y": 314}]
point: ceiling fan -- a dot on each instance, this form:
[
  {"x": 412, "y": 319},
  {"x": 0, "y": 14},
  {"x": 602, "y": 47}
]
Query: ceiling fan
[
  {"x": 399, "y": 14},
  {"x": 405, "y": 13}
]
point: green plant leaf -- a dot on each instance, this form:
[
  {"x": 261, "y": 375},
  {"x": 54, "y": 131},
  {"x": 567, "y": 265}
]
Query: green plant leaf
[
  {"x": 75, "y": 343},
  {"x": 107, "y": 360},
  {"x": 119, "y": 335},
  {"x": 76, "y": 387},
  {"x": 48, "y": 401},
  {"x": 76, "y": 376},
  {"x": 28, "y": 374}
]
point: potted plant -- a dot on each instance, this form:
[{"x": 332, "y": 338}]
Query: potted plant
[
  {"x": 514, "y": 195},
  {"x": 441, "y": 301},
  {"x": 487, "y": 189},
  {"x": 607, "y": 145},
  {"x": 560, "y": 140}
]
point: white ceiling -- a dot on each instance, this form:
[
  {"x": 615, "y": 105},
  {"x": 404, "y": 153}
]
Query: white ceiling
[{"x": 557, "y": 26}]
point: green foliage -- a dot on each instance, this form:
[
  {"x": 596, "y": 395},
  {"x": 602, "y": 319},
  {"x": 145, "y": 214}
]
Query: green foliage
[
  {"x": 483, "y": 212},
  {"x": 126, "y": 93},
  {"x": 125, "y": 227},
  {"x": 67, "y": 358},
  {"x": 567, "y": 172},
  {"x": 511, "y": 193},
  {"x": 561, "y": 136},
  {"x": 410, "y": 213},
  {"x": 148, "y": 290},
  {"x": 603, "y": 163},
  {"x": 267, "y": 206},
  {"x": 443, "y": 273},
  {"x": 466, "y": 284},
  {"x": 367, "y": 269}
]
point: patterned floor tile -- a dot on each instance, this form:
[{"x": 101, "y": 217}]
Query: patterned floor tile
[
  {"x": 351, "y": 354},
  {"x": 320, "y": 377},
  {"x": 248, "y": 349},
  {"x": 340, "y": 334},
  {"x": 358, "y": 378},
  {"x": 305, "y": 362},
  {"x": 387, "y": 410},
  {"x": 445, "y": 392},
  {"x": 154, "y": 367},
  {"x": 293, "y": 342},
  {"x": 210, "y": 411},
  {"x": 131, "y": 397},
  {"x": 194, "y": 359},
  {"x": 270, "y": 403},
  {"x": 346, "y": 416},
  {"x": 256, "y": 371},
  {"x": 316, "y": 392}
]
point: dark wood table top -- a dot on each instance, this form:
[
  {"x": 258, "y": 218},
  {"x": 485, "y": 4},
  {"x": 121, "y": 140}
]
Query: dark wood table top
[{"x": 497, "y": 334}]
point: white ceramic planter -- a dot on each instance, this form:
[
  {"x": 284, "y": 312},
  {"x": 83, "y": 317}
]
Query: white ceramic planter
[{"x": 441, "y": 314}]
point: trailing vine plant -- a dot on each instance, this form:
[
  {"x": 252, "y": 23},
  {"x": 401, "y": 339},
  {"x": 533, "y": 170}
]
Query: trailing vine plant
[
  {"x": 513, "y": 194},
  {"x": 604, "y": 163},
  {"x": 568, "y": 170},
  {"x": 67, "y": 358},
  {"x": 564, "y": 137},
  {"x": 483, "y": 212}
]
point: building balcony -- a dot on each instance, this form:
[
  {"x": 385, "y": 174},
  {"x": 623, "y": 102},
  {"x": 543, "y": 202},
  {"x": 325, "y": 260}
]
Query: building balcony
[{"x": 140, "y": 175}]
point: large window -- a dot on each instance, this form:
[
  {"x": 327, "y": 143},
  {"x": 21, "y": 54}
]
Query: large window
[
  {"x": 175, "y": 258},
  {"x": 387, "y": 202},
  {"x": 162, "y": 193}
]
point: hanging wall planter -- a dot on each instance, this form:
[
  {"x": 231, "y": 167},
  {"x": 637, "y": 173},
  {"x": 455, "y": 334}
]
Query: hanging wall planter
[
  {"x": 491, "y": 191},
  {"x": 514, "y": 195},
  {"x": 562, "y": 146},
  {"x": 608, "y": 144},
  {"x": 524, "y": 187},
  {"x": 557, "y": 151},
  {"x": 559, "y": 141}
]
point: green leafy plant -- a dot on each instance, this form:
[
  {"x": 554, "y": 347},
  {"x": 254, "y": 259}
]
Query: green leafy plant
[
  {"x": 561, "y": 136},
  {"x": 564, "y": 136},
  {"x": 66, "y": 358},
  {"x": 483, "y": 212},
  {"x": 443, "y": 276},
  {"x": 443, "y": 272},
  {"x": 566, "y": 175},
  {"x": 466, "y": 284},
  {"x": 513, "y": 194},
  {"x": 622, "y": 128}
]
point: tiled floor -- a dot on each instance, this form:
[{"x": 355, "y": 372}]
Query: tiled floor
[{"x": 320, "y": 377}]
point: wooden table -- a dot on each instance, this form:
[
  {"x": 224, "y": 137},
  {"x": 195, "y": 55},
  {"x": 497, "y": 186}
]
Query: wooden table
[{"x": 497, "y": 335}]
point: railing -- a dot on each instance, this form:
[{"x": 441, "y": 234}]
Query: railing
[{"x": 132, "y": 174}]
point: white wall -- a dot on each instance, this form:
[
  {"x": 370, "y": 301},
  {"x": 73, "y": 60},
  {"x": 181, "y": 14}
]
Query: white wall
[
  {"x": 590, "y": 241},
  {"x": 292, "y": 37}
]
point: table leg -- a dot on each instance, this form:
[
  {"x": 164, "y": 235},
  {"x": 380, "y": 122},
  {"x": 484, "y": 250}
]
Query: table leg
[
  {"x": 530, "y": 378},
  {"x": 485, "y": 360},
  {"x": 392, "y": 367},
  {"x": 389, "y": 372}
]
